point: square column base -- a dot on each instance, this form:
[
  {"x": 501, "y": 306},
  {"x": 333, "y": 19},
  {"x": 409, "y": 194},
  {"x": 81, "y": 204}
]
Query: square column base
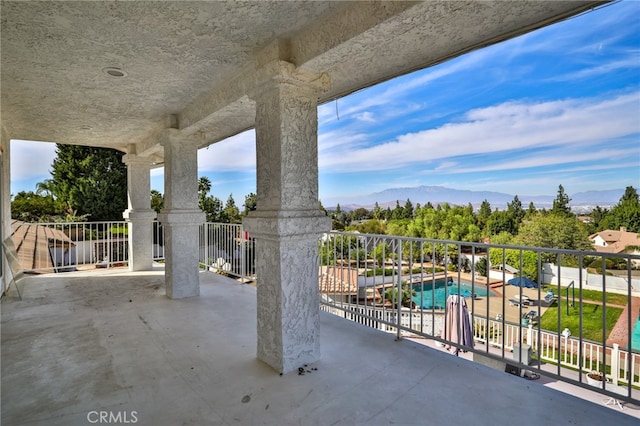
[
  {"x": 288, "y": 313},
  {"x": 181, "y": 236},
  {"x": 140, "y": 238}
]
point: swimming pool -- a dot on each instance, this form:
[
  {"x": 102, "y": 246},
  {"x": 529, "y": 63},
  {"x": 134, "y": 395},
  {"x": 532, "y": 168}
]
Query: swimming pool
[
  {"x": 635, "y": 336},
  {"x": 428, "y": 298}
]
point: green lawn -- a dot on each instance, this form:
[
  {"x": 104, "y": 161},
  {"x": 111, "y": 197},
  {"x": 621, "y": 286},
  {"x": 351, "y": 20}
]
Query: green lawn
[
  {"x": 591, "y": 319},
  {"x": 589, "y": 295}
]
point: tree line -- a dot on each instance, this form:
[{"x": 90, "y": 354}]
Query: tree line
[
  {"x": 90, "y": 184},
  {"x": 557, "y": 227}
]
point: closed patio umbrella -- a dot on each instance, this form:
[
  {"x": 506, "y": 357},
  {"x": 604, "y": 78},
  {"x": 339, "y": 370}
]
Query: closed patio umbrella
[{"x": 457, "y": 327}]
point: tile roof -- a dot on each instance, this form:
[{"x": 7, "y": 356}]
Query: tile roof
[
  {"x": 617, "y": 241},
  {"x": 32, "y": 242},
  {"x": 338, "y": 280}
]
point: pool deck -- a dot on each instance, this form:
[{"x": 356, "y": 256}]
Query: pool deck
[
  {"x": 500, "y": 304},
  {"x": 620, "y": 332}
]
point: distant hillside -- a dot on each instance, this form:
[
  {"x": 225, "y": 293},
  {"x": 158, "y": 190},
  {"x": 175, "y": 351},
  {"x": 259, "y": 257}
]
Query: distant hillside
[{"x": 438, "y": 194}]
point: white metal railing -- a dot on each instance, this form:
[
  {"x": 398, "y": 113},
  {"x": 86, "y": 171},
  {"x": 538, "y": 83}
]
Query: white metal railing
[
  {"x": 158, "y": 241},
  {"x": 362, "y": 276},
  {"x": 60, "y": 247},
  {"x": 63, "y": 247},
  {"x": 383, "y": 266},
  {"x": 227, "y": 248}
]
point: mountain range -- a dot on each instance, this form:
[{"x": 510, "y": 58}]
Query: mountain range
[{"x": 580, "y": 201}]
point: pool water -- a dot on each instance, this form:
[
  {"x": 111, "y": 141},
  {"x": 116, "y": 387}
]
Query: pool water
[
  {"x": 635, "y": 336},
  {"x": 428, "y": 298}
]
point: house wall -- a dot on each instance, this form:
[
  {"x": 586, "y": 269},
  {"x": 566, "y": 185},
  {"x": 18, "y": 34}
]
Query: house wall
[
  {"x": 496, "y": 274},
  {"x": 473, "y": 258},
  {"x": 599, "y": 241}
]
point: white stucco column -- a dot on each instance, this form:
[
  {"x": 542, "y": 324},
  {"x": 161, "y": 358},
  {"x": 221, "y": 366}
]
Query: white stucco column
[
  {"x": 5, "y": 202},
  {"x": 287, "y": 222},
  {"x": 181, "y": 217},
  {"x": 139, "y": 214}
]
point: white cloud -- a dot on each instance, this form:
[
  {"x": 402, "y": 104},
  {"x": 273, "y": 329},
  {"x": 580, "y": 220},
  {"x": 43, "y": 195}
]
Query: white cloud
[
  {"x": 31, "y": 160},
  {"x": 237, "y": 153},
  {"x": 506, "y": 127},
  {"x": 330, "y": 140},
  {"x": 607, "y": 68},
  {"x": 545, "y": 159},
  {"x": 366, "y": 117}
]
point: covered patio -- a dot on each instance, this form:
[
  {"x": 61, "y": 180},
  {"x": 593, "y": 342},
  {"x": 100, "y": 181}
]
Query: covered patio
[
  {"x": 160, "y": 80},
  {"x": 110, "y": 341}
]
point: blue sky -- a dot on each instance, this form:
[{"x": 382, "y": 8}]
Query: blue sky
[{"x": 559, "y": 106}]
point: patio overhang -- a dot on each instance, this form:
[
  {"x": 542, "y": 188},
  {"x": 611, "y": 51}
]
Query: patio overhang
[{"x": 117, "y": 74}]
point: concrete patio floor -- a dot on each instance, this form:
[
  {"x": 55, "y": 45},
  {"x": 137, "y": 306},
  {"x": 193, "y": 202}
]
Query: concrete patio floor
[{"x": 110, "y": 341}]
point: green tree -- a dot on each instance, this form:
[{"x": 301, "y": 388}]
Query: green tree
[
  {"x": 212, "y": 208},
  {"x": 204, "y": 186},
  {"x": 481, "y": 266},
  {"x": 516, "y": 211},
  {"x": 157, "y": 201},
  {"x": 91, "y": 181},
  {"x": 502, "y": 238},
  {"x": 380, "y": 254},
  {"x": 624, "y": 214},
  {"x": 398, "y": 212},
  {"x": 531, "y": 210},
  {"x": 231, "y": 213},
  {"x": 371, "y": 226},
  {"x": 483, "y": 214},
  {"x": 408, "y": 209},
  {"x": 554, "y": 231},
  {"x": 209, "y": 204},
  {"x": 407, "y": 295},
  {"x": 500, "y": 221},
  {"x": 360, "y": 214},
  {"x": 32, "y": 207},
  {"x": 527, "y": 261},
  {"x": 46, "y": 188},
  {"x": 377, "y": 212},
  {"x": 251, "y": 203},
  {"x": 320, "y": 206},
  {"x": 597, "y": 215},
  {"x": 561, "y": 203},
  {"x": 398, "y": 227}
]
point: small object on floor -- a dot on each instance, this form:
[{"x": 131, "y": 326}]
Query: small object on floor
[{"x": 613, "y": 401}]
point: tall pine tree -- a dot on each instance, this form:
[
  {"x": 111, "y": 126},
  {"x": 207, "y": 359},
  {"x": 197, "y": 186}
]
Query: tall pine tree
[
  {"x": 624, "y": 214},
  {"x": 90, "y": 181},
  {"x": 561, "y": 203}
]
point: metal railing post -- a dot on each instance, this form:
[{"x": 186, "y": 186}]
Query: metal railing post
[{"x": 399, "y": 286}]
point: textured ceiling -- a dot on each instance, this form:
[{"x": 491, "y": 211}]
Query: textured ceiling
[{"x": 190, "y": 64}]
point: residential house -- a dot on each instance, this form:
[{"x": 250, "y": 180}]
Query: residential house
[{"x": 621, "y": 241}]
